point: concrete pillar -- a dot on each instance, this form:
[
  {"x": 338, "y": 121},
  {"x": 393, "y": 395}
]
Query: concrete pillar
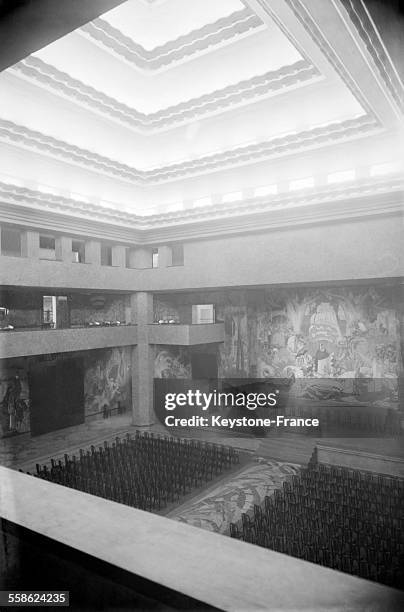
[
  {"x": 30, "y": 244},
  {"x": 92, "y": 252},
  {"x": 63, "y": 249},
  {"x": 118, "y": 256},
  {"x": 142, "y": 361},
  {"x": 165, "y": 256},
  {"x": 140, "y": 258}
]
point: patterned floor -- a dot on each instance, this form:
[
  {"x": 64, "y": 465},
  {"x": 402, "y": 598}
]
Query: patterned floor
[{"x": 224, "y": 504}]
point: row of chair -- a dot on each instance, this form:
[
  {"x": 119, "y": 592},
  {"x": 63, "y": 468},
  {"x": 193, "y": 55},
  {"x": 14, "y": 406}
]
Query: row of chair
[
  {"x": 345, "y": 519},
  {"x": 145, "y": 471}
]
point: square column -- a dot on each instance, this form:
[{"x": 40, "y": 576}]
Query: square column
[
  {"x": 30, "y": 244},
  {"x": 141, "y": 258},
  {"x": 118, "y": 256},
  {"x": 142, "y": 385},
  {"x": 165, "y": 256},
  {"x": 142, "y": 361},
  {"x": 92, "y": 252},
  {"x": 141, "y": 304},
  {"x": 63, "y": 249}
]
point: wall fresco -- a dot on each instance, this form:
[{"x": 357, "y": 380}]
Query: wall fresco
[
  {"x": 347, "y": 334},
  {"x": 337, "y": 333},
  {"x": 14, "y": 398},
  {"x": 107, "y": 379},
  {"x": 172, "y": 362}
]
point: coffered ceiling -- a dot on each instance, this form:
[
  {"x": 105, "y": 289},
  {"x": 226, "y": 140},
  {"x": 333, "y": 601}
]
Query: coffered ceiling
[{"x": 158, "y": 104}]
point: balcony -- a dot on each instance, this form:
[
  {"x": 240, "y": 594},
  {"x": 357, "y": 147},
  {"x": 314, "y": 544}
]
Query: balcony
[
  {"x": 186, "y": 335},
  {"x": 41, "y": 342},
  {"x": 215, "y": 571}
]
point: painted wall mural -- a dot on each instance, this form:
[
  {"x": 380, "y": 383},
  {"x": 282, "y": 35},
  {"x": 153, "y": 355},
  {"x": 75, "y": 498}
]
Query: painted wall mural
[
  {"x": 107, "y": 379},
  {"x": 338, "y": 333},
  {"x": 14, "y": 398},
  {"x": 345, "y": 334},
  {"x": 348, "y": 334},
  {"x": 172, "y": 362}
]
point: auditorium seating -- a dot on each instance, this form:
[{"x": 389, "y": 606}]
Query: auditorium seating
[
  {"x": 145, "y": 471},
  {"x": 341, "y": 518}
]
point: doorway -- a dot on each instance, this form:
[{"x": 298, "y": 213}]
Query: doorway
[{"x": 57, "y": 395}]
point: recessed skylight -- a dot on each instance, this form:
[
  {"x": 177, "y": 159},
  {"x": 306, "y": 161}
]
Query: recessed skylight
[
  {"x": 341, "y": 177},
  {"x": 233, "y": 196},
  {"x": 207, "y": 201},
  {"x": 385, "y": 168},
  {"x": 264, "y": 190},
  {"x": 302, "y": 183}
]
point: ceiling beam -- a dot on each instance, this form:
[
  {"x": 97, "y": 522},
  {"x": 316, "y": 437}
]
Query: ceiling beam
[{"x": 29, "y": 25}]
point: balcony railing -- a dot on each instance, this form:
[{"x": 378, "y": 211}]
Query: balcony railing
[
  {"x": 168, "y": 560},
  {"x": 186, "y": 335}
]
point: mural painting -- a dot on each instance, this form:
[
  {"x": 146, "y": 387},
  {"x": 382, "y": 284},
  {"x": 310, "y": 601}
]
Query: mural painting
[
  {"x": 107, "y": 379},
  {"x": 14, "y": 401},
  {"x": 172, "y": 362},
  {"x": 331, "y": 341},
  {"x": 348, "y": 334}
]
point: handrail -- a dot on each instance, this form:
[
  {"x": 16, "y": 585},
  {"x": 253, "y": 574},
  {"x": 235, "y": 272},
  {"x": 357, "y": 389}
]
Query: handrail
[{"x": 219, "y": 571}]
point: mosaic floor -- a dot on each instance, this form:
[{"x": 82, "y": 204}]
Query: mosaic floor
[{"x": 223, "y": 504}]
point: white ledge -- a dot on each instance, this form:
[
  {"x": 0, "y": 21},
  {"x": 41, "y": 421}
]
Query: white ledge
[{"x": 217, "y": 570}]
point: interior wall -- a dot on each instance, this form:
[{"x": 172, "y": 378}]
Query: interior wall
[
  {"x": 24, "y": 309},
  {"x": 172, "y": 362},
  {"x": 277, "y": 332},
  {"x": 89, "y": 308},
  {"x": 107, "y": 380},
  {"x": 14, "y": 396}
]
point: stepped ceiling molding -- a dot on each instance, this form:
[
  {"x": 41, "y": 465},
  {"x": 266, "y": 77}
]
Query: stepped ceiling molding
[
  {"x": 196, "y": 41},
  {"x": 371, "y": 196},
  {"x": 156, "y": 92},
  {"x": 218, "y": 100},
  {"x": 12, "y": 133}
]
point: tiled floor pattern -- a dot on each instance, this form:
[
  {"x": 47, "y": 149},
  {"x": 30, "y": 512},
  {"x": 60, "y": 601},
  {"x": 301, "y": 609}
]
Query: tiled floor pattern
[{"x": 224, "y": 504}]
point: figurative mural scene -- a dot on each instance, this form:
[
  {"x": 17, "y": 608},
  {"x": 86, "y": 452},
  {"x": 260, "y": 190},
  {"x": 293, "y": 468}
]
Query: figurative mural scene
[
  {"x": 346, "y": 334},
  {"x": 14, "y": 400},
  {"x": 172, "y": 362},
  {"x": 333, "y": 342},
  {"x": 107, "y": 380}
]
